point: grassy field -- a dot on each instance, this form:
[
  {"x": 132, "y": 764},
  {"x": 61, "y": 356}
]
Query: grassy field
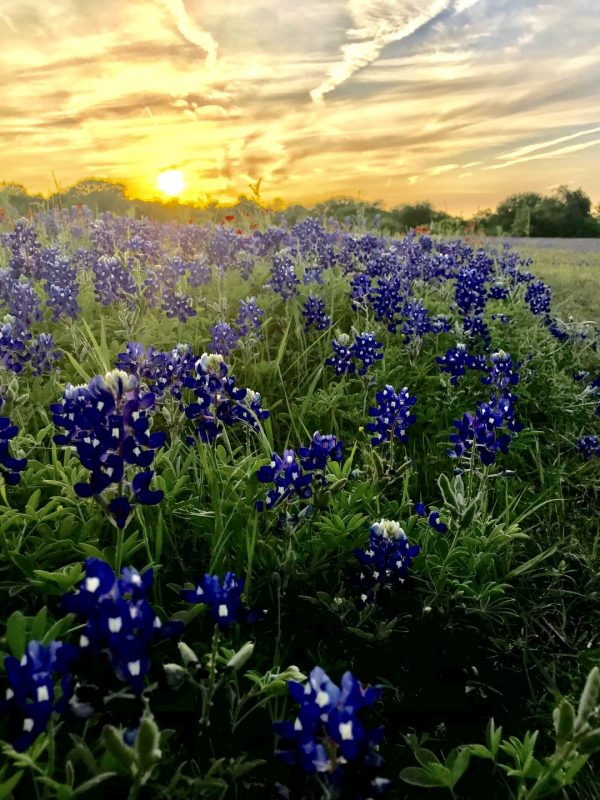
[
  {"x": 295, "y": 513},
  {"x": 572, "y": 268}
]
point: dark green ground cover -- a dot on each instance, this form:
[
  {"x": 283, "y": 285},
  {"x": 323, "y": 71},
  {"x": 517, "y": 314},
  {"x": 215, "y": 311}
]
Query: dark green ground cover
[{"x": 499, "y": 615}]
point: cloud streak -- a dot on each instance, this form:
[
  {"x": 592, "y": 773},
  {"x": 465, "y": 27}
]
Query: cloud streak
[
  {"x": 193, "y": 32},
  {"x": 376, "y": 24}
]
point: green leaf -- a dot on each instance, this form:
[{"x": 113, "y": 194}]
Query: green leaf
[
  {"x": 38, "y": 626},
  {"x": 425, "y": 757},
  {"x": 480, "y": 751},
  {"x": 93, "y": 782},
  {"x": 589, "y": 698},
  {"x": 147, "y": 745},
  {"x": 590, "y": 743},
  {"x": 6, "y": 787},
  {"x": 113, "y": 741},
  {"x": 420, "y": 777},
  {"x": 564, "y": 722},
  {"x": 533, "y": 562},
  {"x": 16, "y": 634},
  {"x": 458, "y": 762}
]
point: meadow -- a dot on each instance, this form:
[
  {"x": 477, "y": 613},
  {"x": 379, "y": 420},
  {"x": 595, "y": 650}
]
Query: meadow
[{"x": 296, "y": 512}]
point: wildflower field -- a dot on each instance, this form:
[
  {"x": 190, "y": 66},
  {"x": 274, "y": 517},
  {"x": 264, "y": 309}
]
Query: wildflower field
[{"x": 294, "y": 512}]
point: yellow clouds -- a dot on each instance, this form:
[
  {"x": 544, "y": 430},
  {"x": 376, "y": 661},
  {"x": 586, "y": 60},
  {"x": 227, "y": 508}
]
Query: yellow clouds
[{"x": 428, "y": 100}]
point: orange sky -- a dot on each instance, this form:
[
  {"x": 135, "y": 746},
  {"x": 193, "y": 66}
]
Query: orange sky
[{"x": 461, "y": 102}]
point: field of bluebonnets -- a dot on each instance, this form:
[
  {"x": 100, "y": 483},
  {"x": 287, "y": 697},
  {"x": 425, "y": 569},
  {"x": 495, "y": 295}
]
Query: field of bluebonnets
[{"x": 296, "y": 512}]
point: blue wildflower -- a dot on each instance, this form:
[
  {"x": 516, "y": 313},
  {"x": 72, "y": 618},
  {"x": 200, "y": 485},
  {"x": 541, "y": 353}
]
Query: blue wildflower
[
  {"x": 589, "y": 446},
  {"x": 10, "y": 467},
  {"x": 32, "y": 691},
  {"x": 328, "y": 732},
  {"x": 118, "y": 618},
  {"x": 224, "y": 599},
  {"x": 392, "y": 415},
  {"x": 386, "y": 561}
]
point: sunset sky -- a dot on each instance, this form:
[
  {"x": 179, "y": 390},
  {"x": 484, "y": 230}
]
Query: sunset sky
[{"x": 460, "y": 102}]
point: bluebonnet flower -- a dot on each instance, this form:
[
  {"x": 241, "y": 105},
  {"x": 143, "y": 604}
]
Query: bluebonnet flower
[
  {"x": 160, "y": 370},
  {"x": 470, "y": 292},
  {"x": 223, "y": 599},
  {"x": 365, "y": 351},
  {"x": 488, "y": 430},
  {"x": 63, "y": 300},
  {"x": 224, "y": 338},
  {"x": 433, "y": 518},
  {"x": 502, "y": 374},
  {"x": 386, "y": 561},
  {"x": 289, "y": 479},
  {"x": 387, "y": 300},
  {"x": 118, "y": 618},
  {"x": 107, "y": 423},
  {"x": 342, "y": 360},
  {"x": 178, "y": 305},
  {"x": 112, "y": 282},
  {"x": 284, "y": 280},
  {"x": 249, "y": 316},
  {"x": 24, "y": 249},
  {"x": 218, "y": 400},
  {"x": 322, "y": 449},
  {"x": 475, "y": 327},
  {"x": 14, "y": 352},
  {"x": 360, "y": 290},
  {"x": 43, "y": 354},
  {"x": 539, "y": 296},
  {"x": 440, "y": 323},
  {"x": 292, "y": 477},
  {"x": 200, "y": 272},
  {"x": 328, "y": 733},
  {"x": 32, "y": 691},
  {"x": 589, "y": 446},
  {"x": 10, "y": 468},
  {"x": 314, "y": 314},
  {"x": 416, "y": 320},
  {"x": 457, "y": 360},
  {"x": 392, "y": 416},
  {"x": 498, "y": 291}
]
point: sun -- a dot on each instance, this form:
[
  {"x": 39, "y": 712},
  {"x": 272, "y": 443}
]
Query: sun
[{"x": 171, "y": 182}]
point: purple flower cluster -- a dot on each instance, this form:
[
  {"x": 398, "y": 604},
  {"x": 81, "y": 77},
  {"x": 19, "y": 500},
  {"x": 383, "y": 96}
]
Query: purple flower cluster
[
  {"x": 32, "y": 694},
  {"x": 10, "y": 467},
  {"x": 119, "y": 619},
  {"x": 314, "y": 314},
  {"x": 503, "y": 373},
  {"x": 223, "y": 599},
  {"x": 386, "y": 561},
  {"x": 457, "y": 360},
  {"x": 486, "y": 432},
  {"x": 434, "y": 518},
  {"x": 108, "y": 424},
  {"x": 356, "y": 357},
  {"x": 589, "y": 446},
  {"x": 392, "y": 415},
  {"x": 224, "y": 338},
  {"x": 539, "y": 297},
  {"x": 218, "y": 400},
  {"x": 113, "y": 283},
  {"x": 284, "y": 280},
  {"x": 293, "y": 474},
  {"x": 328, "y": 733}
]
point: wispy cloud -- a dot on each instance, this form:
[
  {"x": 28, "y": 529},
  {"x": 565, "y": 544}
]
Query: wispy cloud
[
  {"x": 376, "y": 24},
  {"x": 562, "y": 151},
  {"x": 531, "y": 148},
  {"x": 193, "y": 32}
]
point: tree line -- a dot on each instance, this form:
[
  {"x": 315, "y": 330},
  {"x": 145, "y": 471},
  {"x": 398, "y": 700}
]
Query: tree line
[{"x": 564, "y": 213}]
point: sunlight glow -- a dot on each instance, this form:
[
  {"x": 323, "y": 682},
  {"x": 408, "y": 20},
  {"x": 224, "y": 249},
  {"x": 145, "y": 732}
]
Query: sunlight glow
[{"x": 171, "y": 182}]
